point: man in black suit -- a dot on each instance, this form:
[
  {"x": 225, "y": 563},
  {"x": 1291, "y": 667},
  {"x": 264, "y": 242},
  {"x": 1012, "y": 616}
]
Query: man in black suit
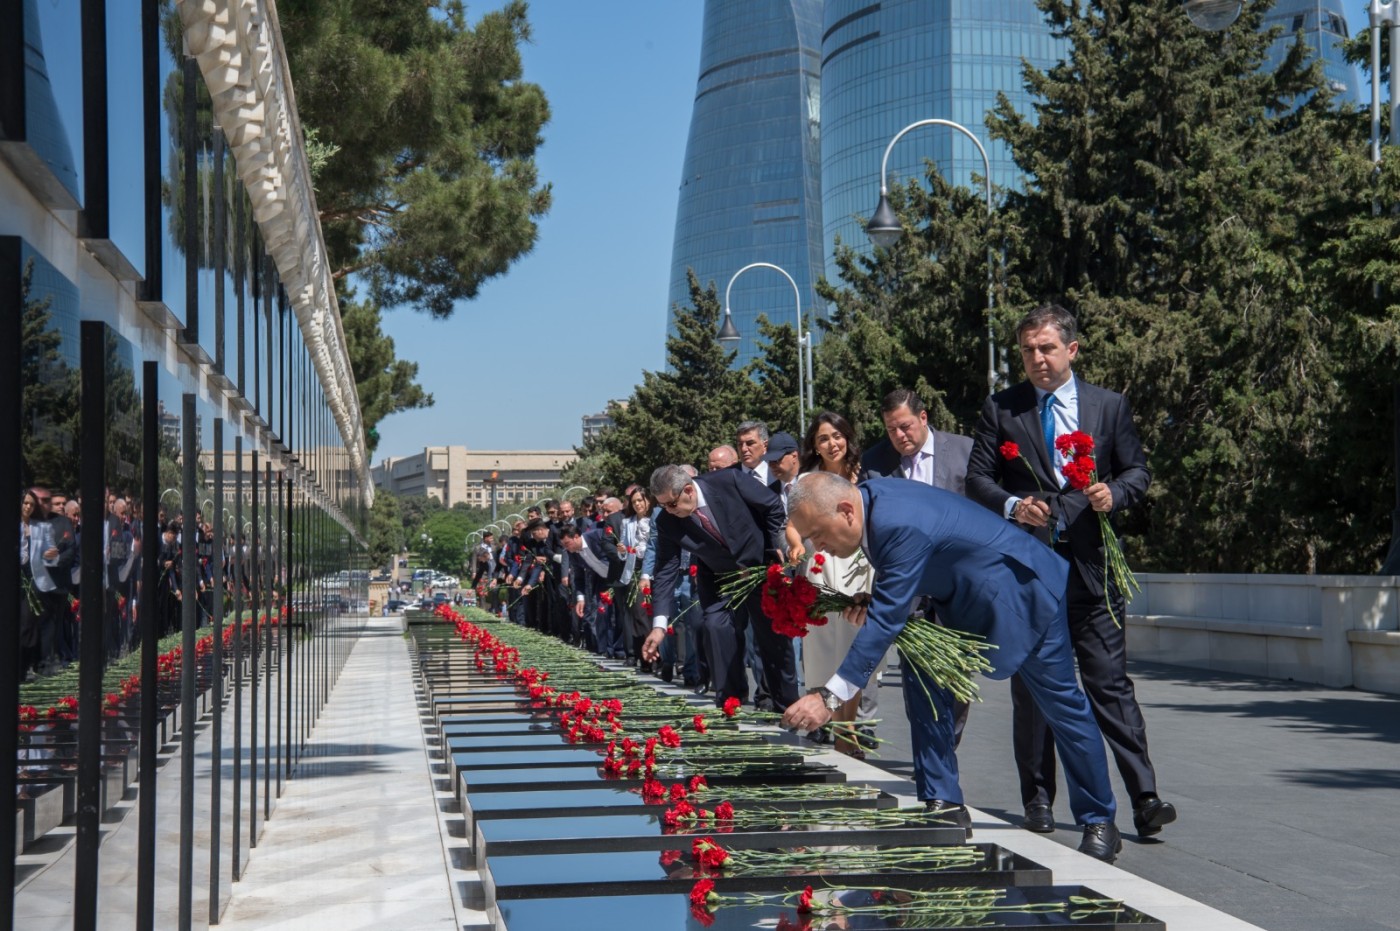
[
  {"x": 597, "y": 564},
  {"x": 728, "y": 522},
  {"x": 1032, "y": 491}
]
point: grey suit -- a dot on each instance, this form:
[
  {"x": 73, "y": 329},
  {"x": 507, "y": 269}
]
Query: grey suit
[{"x": 950, "y": 455}]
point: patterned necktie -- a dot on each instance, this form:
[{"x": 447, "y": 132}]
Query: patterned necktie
[
  {"x": 1047, "y": 426},
  {"x": 709, "y": 525}
]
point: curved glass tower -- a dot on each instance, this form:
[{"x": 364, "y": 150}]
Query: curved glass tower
[
  {"x": 1324, "y": 26},
  {"x": 886, "y": 65},
  {"x": 751, "y": 187}
]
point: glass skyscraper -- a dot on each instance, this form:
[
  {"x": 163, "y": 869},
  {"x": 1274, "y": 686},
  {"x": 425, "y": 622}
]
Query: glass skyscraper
[
  {"x": 1324, "y": 28},
  {"x": 751, "y": 187},
  {"x": 886, "y": 65}
]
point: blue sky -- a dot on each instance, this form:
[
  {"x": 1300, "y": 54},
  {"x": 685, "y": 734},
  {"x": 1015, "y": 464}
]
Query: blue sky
[{"x": 574, "y": 323}]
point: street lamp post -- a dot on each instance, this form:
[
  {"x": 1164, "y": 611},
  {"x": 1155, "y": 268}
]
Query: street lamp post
[
  {"x": 728, "y": 333},
  {"x": 494, "y": 480},
  {"x": 884, "y": 228}
]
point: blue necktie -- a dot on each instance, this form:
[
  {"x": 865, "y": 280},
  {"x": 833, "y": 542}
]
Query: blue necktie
[{"x": 1047, "y": 427}]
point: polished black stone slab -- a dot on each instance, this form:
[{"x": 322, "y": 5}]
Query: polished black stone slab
[
  {"x": 462, "y": 723},
  {"x": 635, "y": 728},
  {"x": 643, "y": 872},
  {"x": 671, "y": 912},
  {"x": 472, "y": 779},
  {"x": 640, "y": 829},
  {"x": 517, "y": 759},
  {"x": 565, "y": 755},
  {"x": 548, "y": 736},
  {"x": 600, "y": 798}
]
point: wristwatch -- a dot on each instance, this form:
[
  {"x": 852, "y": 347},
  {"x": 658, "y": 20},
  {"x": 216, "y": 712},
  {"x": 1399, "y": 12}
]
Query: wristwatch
[{"x": 828, "y": 697}]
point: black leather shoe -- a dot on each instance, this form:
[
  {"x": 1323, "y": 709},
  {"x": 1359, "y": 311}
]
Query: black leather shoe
[
  {"x": 1150, "y": 813},
  {"x": 1039, "y": 819},
  {"x": 951, "y": 812},
  {"x": 668, "y": 673},
  {"x": 1101, "y": 841}
]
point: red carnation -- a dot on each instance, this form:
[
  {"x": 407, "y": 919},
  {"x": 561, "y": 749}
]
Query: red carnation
[
  {"x": 724, "y": 811},
  {"x": 1075, "y": 444},
  {"x": 699, "y": 724},
  {"x": 732, "y": 706},
  {"x": 709, "y": 854},
  {"x": 700, "y": 892},
  {"x": 677, "y": 791},
  {"x": 1010, "y": 451},
  {"x": 804, "y": 901},
  {"x": 697, "y": 783},
  {"x": 1079, "y": 472},
  {"x": 669, "y": 856}
]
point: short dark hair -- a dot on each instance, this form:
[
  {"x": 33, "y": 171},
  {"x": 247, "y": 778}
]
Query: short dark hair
[
  {"x": 902, "y": 397},
  {"x": 569, "y": 530},
  {"x": 1049, "y": 315}
]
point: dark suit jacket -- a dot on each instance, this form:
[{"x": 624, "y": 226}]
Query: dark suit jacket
[
  {"x": 950, "y": 454},
  {"x": 66, "y": 541},
  {"x": 748, "y": 515},
  {"x": 981, "y": 575},
  {"x": 775, "y": 484},
  {"x": 1014, "y": 415},
  {"x": 605, "y": 548}
]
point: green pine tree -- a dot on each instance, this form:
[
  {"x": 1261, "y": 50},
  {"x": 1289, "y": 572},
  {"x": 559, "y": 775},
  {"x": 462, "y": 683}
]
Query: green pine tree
[
  {"x": 1177, "y": 199},
  {"x": 914, "y": 315}
]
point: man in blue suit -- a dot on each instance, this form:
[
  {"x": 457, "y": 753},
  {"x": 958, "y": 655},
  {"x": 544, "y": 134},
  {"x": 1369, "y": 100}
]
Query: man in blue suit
[
  {"x": 982, "y": 577},
  {"x": 727, "y": 521}
]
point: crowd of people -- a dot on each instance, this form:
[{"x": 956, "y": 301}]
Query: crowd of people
[
  {"x": 984, "y": 534},
  {"x": 51, "y": 531}
]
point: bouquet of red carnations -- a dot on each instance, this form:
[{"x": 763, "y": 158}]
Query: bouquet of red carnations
[
  {"x": 793, "y": 604},
  {"x": 1080, "y": 472}
]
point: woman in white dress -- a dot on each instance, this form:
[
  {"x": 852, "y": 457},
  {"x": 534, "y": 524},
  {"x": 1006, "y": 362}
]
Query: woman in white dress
[{"x": 830, "y": 446}]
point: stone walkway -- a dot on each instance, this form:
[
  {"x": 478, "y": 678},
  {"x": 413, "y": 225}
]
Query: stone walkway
[
  {"x": 1287, "y": 794},
  {"x": 355, "y": 842}
]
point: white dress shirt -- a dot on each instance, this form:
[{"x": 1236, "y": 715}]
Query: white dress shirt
[
  {"x": 1066, "y": 412},
  {"x": 922, "y": 468}
]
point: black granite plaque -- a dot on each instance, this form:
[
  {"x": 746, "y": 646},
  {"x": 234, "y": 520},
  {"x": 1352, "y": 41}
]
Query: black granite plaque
[
  {"x": 672, "y": 913},
  {"x": 643, "y": 872},
  {"x": 640, "y": 829}
]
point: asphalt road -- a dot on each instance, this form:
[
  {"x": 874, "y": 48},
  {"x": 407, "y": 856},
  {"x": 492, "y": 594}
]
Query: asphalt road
[{"x": 1289, "y": 794}]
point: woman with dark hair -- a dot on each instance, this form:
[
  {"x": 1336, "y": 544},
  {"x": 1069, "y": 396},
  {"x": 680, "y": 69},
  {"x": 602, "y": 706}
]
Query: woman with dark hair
[
  {"x": 636, "y": 536},
  {"x": 37, "y": 553},
  {"x": 830, "y": 445}
]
